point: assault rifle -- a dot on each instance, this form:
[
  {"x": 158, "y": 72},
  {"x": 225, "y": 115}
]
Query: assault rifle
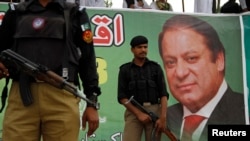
[
  {"x": 12, "y": 59},
  {"x": 154, "y": 118}
]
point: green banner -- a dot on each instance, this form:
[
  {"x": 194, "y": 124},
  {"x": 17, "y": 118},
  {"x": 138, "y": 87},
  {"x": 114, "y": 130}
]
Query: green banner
[{"x": 113, "y": 30}]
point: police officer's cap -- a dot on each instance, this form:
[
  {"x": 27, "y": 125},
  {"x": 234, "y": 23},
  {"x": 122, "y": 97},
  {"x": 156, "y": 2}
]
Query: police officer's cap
[{"x": 137, "y": 40}]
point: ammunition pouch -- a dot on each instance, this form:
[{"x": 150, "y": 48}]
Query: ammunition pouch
[
  {"x": 153, "y": 94},
  {"x": 144, "y": 91},
  {"x": 132, "y": 89}
]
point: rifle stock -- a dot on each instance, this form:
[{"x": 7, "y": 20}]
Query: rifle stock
[
  {"x": 170, "y": 135},
  {"x": 154, "y": 118},
  {"x": 13, "y": 60}
]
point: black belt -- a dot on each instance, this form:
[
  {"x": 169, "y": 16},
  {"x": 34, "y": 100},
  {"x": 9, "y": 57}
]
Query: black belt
[{"x": 148, "y": 103}]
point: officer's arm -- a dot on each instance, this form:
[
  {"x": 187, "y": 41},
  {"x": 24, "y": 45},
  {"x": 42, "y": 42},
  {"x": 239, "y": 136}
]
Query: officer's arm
[
  {"x": 87, "y": 63},
  {"x": 123, "y": 96},
  {"x": 7, "y": 30},
  {"x": 6, "y": 37},
  {"x": 87, "y": 71}
]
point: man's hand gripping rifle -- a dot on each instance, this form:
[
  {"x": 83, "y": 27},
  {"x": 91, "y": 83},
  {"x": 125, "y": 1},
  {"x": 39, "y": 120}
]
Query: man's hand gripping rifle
[
  {"x": 41, "y": 73},
  {"x": 154, "y": 118}
]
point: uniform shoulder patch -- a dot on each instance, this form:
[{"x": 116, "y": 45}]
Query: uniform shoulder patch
[{"x": 87, "y": 36}]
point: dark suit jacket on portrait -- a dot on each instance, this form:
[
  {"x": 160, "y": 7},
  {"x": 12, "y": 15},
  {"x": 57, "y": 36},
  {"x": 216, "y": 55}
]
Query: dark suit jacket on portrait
[{"x": 230, "y": 110}]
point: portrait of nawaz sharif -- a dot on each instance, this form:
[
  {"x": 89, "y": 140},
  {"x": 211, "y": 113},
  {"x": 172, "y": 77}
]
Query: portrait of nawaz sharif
[{"x": 204, "y": 69}]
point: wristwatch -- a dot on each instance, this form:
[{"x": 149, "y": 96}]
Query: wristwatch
[{"x": 94, "y": 102}]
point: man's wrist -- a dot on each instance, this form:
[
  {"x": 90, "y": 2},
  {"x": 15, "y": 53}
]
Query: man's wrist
[{"x": 94, "y": 103}]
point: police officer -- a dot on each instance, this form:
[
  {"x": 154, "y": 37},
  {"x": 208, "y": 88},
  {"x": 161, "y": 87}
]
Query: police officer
[
  {"x": 143, "y": 79},
  {"x": 57, "y": 35}
]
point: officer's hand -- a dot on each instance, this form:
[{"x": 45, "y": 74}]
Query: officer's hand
[
  {"x": 160, "y": 125},
  {"x": 144, "y": 118},
  {"x": 3, "y": 71},
  {"x": 91, "y": 116}
]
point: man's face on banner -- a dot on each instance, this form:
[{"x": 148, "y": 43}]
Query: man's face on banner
[{"x": 192, "y": 77}]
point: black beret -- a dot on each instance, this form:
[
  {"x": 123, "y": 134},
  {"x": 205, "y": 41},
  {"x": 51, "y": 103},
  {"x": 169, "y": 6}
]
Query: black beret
[{"x": 137, "y": 40}]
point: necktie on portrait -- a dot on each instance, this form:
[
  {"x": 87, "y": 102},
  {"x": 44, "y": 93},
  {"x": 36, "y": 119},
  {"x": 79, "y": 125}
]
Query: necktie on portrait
[{"x": 191, "y": 123}]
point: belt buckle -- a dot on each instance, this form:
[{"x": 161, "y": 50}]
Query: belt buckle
[{"x": 146, "y": 103}]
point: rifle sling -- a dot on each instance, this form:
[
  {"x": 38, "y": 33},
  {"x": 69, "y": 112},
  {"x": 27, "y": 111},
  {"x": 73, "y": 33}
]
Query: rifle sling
[{"x": 4, "y": 94}]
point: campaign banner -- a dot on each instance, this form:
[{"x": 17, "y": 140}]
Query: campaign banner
[{"x": 114, "y": 28}]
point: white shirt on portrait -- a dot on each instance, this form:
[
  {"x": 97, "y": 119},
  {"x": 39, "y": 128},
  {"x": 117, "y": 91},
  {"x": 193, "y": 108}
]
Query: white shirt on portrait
[{"x": 205, "y": 111}]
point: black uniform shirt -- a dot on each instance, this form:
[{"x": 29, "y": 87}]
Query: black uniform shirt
[
  {"x": 47, "y": 47},
  {"x": 130, "y": 72}
]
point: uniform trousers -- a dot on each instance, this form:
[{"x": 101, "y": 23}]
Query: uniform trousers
[
  {"x": 134, "y": 129},
  {"x": 53, "y": 116}
]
